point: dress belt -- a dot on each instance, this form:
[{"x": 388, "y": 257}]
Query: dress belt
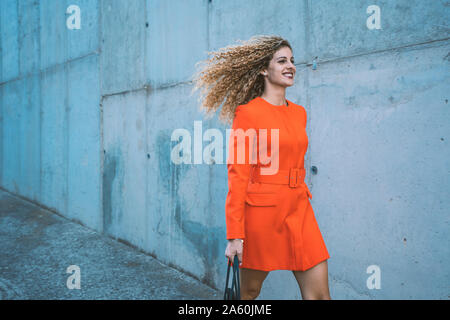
[{"x": 294, "y": 177}]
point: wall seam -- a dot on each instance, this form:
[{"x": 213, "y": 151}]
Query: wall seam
[
  {"x": 1, "y": 104},
  {"x": 39, "y": 76},
  {"x": 18, "y": 37},
  {"x": 18, "y": 188},
  {"x": 102, "y": 153},
  {"x": 47, "y": 69},
  {"x": 67, "y": 113},
  {"x": 147, "y": 93}
]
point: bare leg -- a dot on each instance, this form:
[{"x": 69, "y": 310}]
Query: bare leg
[
  {"x": 313, "y": 282},
  {"x": 251, "y": 282}
]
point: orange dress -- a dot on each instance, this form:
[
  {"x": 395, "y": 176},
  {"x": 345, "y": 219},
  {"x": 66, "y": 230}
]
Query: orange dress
[{"x": 271, "y": 210}]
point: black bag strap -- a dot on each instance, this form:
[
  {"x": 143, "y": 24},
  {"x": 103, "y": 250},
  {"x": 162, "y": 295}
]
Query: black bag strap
[
  {"x": 233, "y": 293},
  {"x": 226, "y": 295},
  {"x": 236, "y": 282}
]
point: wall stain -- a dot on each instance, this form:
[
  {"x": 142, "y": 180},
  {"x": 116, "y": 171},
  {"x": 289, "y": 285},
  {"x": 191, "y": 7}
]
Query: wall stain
[
  {"x": 203, "y": 239},
  {"x": 111, "y": 175}
]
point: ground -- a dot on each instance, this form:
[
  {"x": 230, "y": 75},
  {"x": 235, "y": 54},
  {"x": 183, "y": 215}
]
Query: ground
[{"x": 37, "y": 247}]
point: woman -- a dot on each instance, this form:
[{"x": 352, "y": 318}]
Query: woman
[{"x": 270, "y": 221}]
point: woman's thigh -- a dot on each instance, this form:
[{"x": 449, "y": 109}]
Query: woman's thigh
[
  {"x": 251, "y": 282},
  {"x": 313, "y": 282}
]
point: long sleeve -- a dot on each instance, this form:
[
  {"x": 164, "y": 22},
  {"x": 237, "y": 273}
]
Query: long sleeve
[{"x": 241, "y": 142}]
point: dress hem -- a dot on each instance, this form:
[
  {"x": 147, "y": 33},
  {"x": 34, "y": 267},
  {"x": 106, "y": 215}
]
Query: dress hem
[{"x": 274, "y": 268}]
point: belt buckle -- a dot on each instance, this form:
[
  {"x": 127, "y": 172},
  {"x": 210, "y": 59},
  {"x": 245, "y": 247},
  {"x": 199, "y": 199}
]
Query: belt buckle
[{"x": 293, "y": 177}]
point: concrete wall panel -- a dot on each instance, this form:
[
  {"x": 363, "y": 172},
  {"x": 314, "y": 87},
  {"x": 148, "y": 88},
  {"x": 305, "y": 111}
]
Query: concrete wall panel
[
  {"x": 124, "y": 171},
  {"x": 9, "y": 27},
  {"x": 180, "y": 223},
  {"x": 123, "y": 45},
  {"x": 28, "y": 17},
  {"x": 53, "y": 37},
  {"x": 339, "y": 28},
  {"x": 231, "y": 20},
  {"x": 83, "y": 41},
  {"x": 11, "y": 128},
  {"x": 176, "y": 28},
  {"x": 54, "y": 132},
  {"x": 29, "y": 133},
  {"x": 84, "y": 142},
  {"x": 377, "y": 146}
]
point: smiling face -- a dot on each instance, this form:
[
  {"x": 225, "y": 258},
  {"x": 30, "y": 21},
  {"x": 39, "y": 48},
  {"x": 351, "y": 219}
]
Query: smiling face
[{"x": 281, "y": 70}]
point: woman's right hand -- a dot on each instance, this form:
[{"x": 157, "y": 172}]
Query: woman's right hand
[{"x": 234, "y": 247}]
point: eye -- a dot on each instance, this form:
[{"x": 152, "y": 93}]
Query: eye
[{"x": 284, "y": 60}]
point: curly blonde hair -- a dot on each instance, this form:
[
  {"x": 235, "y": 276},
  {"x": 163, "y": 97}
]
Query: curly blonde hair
[{"x": 233, "y": 74}]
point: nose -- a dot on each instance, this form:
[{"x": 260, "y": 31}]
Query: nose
[{"x": 291, "y": 66}]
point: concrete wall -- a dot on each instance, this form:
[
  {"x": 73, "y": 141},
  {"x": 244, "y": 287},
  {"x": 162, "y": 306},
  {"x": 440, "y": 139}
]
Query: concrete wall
[{"x": 86, "y": 118}]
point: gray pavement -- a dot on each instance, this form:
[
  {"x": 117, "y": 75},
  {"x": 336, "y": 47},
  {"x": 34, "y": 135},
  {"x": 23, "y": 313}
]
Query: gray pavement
[{"x": 37, "y": 246}]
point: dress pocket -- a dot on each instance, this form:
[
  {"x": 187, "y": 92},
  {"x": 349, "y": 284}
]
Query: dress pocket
[{"x": 261, "y": 199}]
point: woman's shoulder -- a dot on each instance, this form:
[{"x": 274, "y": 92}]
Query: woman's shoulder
[{"x": 295, "y": 105}]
